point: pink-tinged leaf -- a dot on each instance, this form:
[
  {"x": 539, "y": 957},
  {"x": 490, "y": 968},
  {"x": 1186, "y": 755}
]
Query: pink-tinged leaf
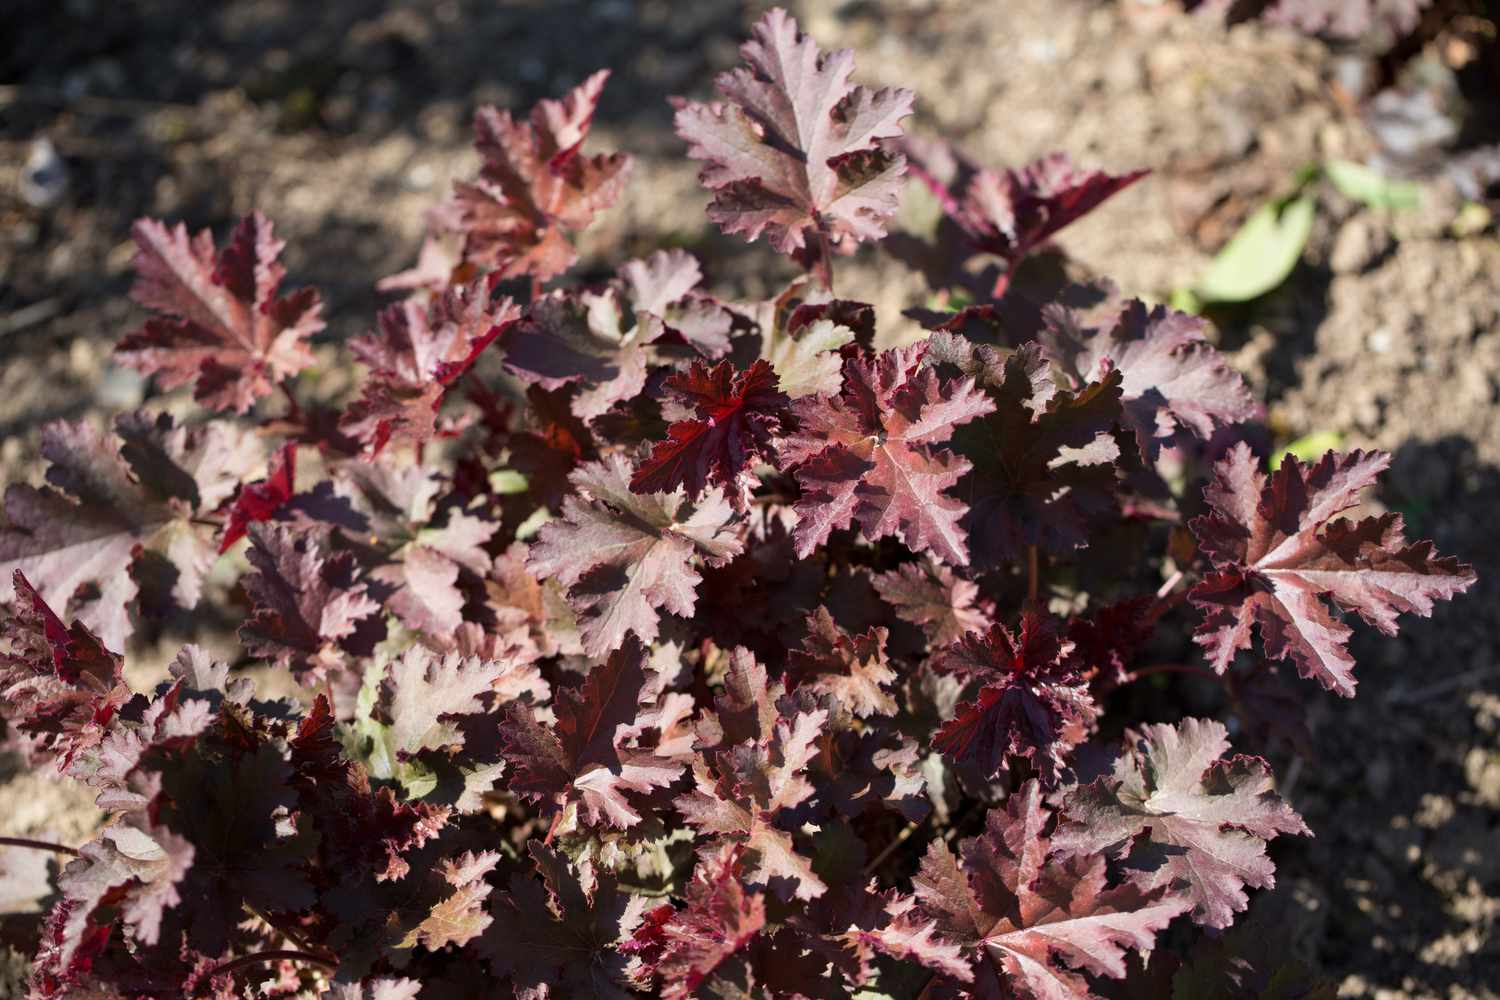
[
  {"x": 438, "y": 260},
  {"x": 305, "y": 598},
  {"x": 604, "y": 341},
  {"x": 665, "y": 285},
  {"x": 224, "y": 327},
  {"x": 739, "y": 413},
  {"x": 794, "y": 147},
  {"x": 1032, "y": 702},
  {"x": 425, "y": 575},
  {"x": 580, "y": 338},
  {"x": 112, "y": 498},
  {"x": 1280, "y": 553},
  {"x": 535, "y": 187},
  {"x": 121, "y": 874},
  {"x": 259, "y": 500},
  {"x": 743, "y": 791},
  {"x": 682, "y": 949},
  {"x": 60, "y": 686},
  {"x": 378, "y": 989},
  {"x": 854, "y": 669},
  {"x": 461, "y": 917},
  {"x": 425, "y": 596},
  {"x": 584, "y": 756},
  {"x": 424, "y": 694},
  {"x": 868, "y": 454},
  {"x": 746, "y": 708},
  {"x": 429, "y": 567},
  {"x": 1039, "y": 477},
  {"x": 622, "y": 555},
  {"x": 1031, "y": 923},
  {"x": 930, "y": 596},
  {"x": 1172, "y": 380},
  {"x": 1207, "y": 817},
  {"x": 906, "y": 934},
  {"x": 414, "y": 356}
]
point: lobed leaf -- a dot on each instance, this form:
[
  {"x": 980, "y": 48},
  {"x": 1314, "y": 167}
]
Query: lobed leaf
[
  {"x": 224, "y": 327},
  {"x": 794, "y": 148},
  {"x": 1279, "y": 553}
]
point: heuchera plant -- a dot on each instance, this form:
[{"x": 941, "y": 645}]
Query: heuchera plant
[{"x": 659, "y": 645}]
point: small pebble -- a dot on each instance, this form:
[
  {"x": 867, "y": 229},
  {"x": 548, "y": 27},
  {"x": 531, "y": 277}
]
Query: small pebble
[{"x": 44, "y": 176}]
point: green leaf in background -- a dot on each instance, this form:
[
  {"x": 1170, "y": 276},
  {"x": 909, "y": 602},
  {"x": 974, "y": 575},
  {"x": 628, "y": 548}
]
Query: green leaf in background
[
  {"x": 508, "y": 482},
  {"x": 1309, "y": 447},
  {"x": 1184, "y": 301},
  {"x": 1371, "y": 187},
  {"x": 1472, "y": 219},
  {"x": 1261, "y": 255}
]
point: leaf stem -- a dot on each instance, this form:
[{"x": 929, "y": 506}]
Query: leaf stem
[
  {"x": 1167, "y": 598},
  {"x": 277, "y": 955},
  {"x": 286, "y": 932},
  {"x": 1170, "y": 668},
  {"x": 552, "y": 830},
  {"x": 895, "y": 843},
  {"x": 824, "y": 267},
  {"x": 38, "y": 845},
  {"x": 1169, "y": 586},
  {"x": 294, "y": 408}
]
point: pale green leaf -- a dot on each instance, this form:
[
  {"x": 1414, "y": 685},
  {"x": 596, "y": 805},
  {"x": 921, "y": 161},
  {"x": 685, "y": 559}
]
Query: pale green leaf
[
  {"x": 1308, "y": 448},
  {"x": 1370, "y": 187},
  {"x": 1261, "y": 255}
]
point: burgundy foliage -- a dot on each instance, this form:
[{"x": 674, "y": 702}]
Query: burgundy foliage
[{"x": 644, "y": 643}]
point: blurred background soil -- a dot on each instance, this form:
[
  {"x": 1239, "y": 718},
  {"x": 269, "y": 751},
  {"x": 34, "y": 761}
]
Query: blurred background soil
[{"x": 344, "y": 119}]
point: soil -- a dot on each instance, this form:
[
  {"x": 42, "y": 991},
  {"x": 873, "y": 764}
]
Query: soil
[{"x": 344, "y": 120}]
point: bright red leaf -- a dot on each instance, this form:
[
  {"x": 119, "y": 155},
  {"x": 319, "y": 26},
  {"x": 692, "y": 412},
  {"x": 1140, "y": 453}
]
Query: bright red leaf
[{"x": 259, "y": 500}]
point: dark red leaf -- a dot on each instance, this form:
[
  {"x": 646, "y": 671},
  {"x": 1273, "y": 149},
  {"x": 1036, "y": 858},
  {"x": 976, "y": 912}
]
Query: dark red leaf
[
  {"x": 1032, "y": 702},
  {"x": 306, "y": 599},
  {"x": 739, "y": 413}
]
